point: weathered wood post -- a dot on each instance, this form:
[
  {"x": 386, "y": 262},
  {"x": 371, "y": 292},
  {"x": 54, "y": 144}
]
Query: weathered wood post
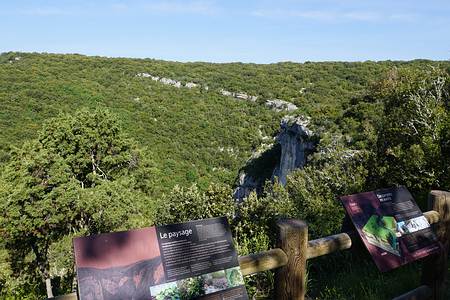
[
  {"x": 434, "y": 272},
  {"x": 290, "y": 280}
]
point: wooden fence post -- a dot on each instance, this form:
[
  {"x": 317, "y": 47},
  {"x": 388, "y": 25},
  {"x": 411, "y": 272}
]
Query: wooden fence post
[
  {"x": 434, "y": 272},
  {"x": 290, "y": 281}
]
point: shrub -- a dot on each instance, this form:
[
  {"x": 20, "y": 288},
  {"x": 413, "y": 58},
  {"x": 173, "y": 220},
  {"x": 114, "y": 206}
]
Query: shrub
[
  {"x": 334, "y": 170},
  {"x": 185, "y": 204}
]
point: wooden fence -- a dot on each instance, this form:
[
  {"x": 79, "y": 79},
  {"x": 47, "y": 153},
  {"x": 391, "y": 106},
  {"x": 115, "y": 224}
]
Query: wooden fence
[{"x": 289, "y": 260}]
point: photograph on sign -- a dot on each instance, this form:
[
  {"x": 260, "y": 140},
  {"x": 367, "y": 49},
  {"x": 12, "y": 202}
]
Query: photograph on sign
[{"x": 120, "y": 265}]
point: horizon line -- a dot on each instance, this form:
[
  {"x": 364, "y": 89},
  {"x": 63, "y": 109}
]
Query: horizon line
[{"x": 2, "y": 52}]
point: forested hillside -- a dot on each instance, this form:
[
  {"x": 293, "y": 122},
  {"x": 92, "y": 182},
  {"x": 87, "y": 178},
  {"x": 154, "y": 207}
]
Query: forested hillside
[
  {"x": 90, "y": 144},
  {"x": 193, "y": 135}
]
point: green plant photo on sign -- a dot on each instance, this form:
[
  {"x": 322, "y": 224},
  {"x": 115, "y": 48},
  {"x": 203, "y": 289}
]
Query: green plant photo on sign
[
  {"x": 191, "y": 288},
  {"x": 170, "y": 293},
  {"x": 234, "y": 277}
]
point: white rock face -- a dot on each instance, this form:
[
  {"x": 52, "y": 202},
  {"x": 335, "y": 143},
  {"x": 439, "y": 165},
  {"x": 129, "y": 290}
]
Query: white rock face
[
  {"x": 296, "y": 144},
  {"x": 226, "y": 93},
  {"x": 144, "y": 75},
  {"x": 168, "y": 81},
  {"x": 280, "y": 105},
  {"x": 191, "y": 85},
  {"x": 242, "y": 96}
]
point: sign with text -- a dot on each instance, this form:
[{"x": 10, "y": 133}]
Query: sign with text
[
  {"x": 392, "y": 227},
  {"x": 193, "y": 260}
]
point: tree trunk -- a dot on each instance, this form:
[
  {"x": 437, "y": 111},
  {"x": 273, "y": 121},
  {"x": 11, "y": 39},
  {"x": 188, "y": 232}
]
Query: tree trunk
[
  {"x": 48, "y": 286},
  {"x": 43, "y": 268}
]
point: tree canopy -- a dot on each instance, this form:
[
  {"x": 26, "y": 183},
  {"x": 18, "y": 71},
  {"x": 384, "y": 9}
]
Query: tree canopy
[{"x": 80, "y": 176}]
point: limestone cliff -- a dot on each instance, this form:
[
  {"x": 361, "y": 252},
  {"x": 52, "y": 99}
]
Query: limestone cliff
[
  {"x": 292, "y": 146},
  {"x": 296, "y": 143}
]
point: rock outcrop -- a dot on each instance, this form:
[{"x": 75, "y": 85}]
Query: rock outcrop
[
  {"x": 171, "y": 82},
  {"x": 296, "y": 143},
  {"x": 166, "y": 81},
  {"x": 191, "y": 85},
  {"x": 226, "y": 93},
  {"x": 274, "y": 104},
  {"x": 240, "y": 95},
  {"x": 292, "y": 146},
  {"x": 247, "y": 184},
  {"x": 144, "y": 75},
  {"x": 280, "y": 105}
]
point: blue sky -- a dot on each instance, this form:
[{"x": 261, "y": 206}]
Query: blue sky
[{"x": 224, "y": 31}]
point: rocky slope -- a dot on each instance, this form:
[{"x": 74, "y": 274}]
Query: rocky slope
[{"x": 274, "y": 104}]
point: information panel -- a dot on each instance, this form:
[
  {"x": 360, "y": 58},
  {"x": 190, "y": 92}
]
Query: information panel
[
  {"x": 193, "y": 260},
  {"x": 392, "y": 227}
]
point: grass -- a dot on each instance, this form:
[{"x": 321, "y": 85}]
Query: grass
[{"x": 350, "y": 276}]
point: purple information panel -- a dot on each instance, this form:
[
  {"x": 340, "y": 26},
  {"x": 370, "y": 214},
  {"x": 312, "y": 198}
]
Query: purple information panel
[
  {"x": 192, "y": 260},
  {"x": 392, "y": 227}
]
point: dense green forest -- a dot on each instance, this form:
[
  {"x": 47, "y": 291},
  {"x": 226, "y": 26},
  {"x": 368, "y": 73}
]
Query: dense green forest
[{"x": 87, "y": 146}]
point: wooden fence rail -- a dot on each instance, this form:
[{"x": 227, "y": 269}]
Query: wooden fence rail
[{"x": 289, "y": 260}]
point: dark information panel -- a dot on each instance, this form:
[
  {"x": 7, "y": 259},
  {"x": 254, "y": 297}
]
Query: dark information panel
[
  {"x": 193, "y": 260},
  {"x": 391, "y": 225}
]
